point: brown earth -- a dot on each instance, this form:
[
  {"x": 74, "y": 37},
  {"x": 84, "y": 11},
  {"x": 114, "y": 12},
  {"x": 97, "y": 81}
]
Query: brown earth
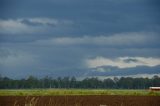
[{"x": 94, "y": 100}]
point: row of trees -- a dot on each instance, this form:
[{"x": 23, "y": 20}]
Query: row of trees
[{"x": 67, "y": 82}]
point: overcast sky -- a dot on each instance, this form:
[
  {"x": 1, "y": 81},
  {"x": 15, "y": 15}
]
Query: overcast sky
[{"x": 81, "y": 38}]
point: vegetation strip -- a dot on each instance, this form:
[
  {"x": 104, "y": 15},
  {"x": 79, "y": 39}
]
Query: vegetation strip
[
  {"x": 87, "y": 83},
  {"x": 52, "y": 92}
]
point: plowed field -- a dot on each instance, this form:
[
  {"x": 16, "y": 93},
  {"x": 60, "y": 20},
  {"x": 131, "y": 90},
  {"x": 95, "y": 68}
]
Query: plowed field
[{"x": 80, "y": 100}]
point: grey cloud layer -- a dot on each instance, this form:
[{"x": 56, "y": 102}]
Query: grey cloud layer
[{"x": 123, "y": 40}]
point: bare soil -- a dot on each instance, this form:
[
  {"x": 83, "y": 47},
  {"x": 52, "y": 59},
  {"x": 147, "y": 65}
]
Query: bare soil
[{"x": 94, "y": 100}]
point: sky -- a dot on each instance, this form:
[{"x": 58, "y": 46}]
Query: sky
[{"x": 81, "y": 38}]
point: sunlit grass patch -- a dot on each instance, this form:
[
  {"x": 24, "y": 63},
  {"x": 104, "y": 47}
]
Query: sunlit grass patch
[{"x": 50, "y": 92}]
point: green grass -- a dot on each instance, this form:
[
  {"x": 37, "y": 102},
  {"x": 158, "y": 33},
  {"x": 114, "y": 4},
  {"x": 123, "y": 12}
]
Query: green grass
[{"x": 52, "y": 92}]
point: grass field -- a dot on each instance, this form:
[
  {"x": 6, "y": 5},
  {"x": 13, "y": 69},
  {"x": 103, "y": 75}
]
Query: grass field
[{"x": 52, "y": 92}]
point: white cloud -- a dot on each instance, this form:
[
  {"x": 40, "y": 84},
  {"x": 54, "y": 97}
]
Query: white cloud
[
  {"x": 123, "y": 62},
  {"x": 44, "y": 21},
  {"x": 100, "y": 70},
  {"x": 125, "y": 39},
  {"x": 26, "y": 25},
  {"x": 47, "y": 21},
  {"x": 13, "y": 26}
]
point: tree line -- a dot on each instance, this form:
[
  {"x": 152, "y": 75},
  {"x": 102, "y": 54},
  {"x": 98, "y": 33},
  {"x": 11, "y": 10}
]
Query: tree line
[{"x": 71, "y": 82}]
